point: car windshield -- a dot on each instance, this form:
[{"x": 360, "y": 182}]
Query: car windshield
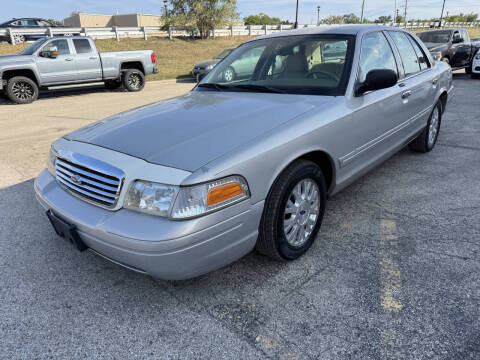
[
  {"x": 223, "y": 54},
  {"x": 30, "y": 50},
  {"x": 437, "y": 37},
  {"x": 300, "y": 64}
]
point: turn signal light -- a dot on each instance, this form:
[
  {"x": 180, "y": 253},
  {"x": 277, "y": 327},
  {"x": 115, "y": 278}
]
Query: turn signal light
[
  {"x": 153, "y": 58},
  {"x": 223, "y": 193}
]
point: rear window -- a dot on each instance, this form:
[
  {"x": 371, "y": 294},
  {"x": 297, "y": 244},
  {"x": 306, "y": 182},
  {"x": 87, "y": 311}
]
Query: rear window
[{"x": 82, "y": 46}]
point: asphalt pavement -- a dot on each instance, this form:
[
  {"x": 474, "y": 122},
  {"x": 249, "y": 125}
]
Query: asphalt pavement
[{"x": 394, "y": 274}]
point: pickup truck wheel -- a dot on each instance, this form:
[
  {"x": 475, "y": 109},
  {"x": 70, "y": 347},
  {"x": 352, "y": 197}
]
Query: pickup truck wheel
[
  {"x": 22, "y": 90},
  {"x": 133, "y": 80},
  {"x": 293, "y": 212},
  {"x": 426, "y": 141},
  {"x": 112, "y": 84}
]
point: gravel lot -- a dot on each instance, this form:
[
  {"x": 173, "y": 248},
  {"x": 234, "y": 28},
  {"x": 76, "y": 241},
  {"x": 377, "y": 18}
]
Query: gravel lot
[{"x": 394, "y": 273}]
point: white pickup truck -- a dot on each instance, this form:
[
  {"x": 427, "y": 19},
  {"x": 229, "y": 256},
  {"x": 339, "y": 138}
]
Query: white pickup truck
[{"x": 57, "y": 61}]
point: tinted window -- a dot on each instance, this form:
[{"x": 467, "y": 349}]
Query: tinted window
[
  {"x": 43, "y": 23},
  {"x": 82, "y": 46},
  {"x": 60, "y": 45},
  {"x": 407, "y": 53},
  {"x": 422, "y": 58},
  {"x": 438, "y": 37},
  {"x": 376, "y": 53}
]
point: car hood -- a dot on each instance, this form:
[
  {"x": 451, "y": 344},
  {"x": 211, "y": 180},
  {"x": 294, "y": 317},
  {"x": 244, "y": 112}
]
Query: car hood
[
  {"x": 190, "y": 131},
  {"x": 208, "y": 62},
  {"x": 436, "y": 46},
  {"x": 14, "y": 58}
]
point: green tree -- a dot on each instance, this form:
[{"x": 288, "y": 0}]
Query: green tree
[
  {"x": 400, "y": 19},
  {"x": 201, "y": 16},
  {"x": 471, "y": 17},
  {"x": 263, "y": 19},
  {"x": 333, "y": 19},
  {"x": 350, "y": 19},
  {"x": 383, "y": 19}
]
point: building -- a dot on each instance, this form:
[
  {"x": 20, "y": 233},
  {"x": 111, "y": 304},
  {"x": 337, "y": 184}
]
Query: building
[{"x": 78, "y": 19}]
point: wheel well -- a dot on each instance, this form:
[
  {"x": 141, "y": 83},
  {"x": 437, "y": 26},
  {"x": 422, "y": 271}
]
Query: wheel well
[
  {"x": 443, "y": 100},
  {"x": 324, "y": 161},
  {"x": 7, "y": 75},
  {"x": 133, "y": 65}
]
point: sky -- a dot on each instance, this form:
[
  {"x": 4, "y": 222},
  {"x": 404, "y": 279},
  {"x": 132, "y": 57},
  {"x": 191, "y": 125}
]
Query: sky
[{"x": 284, "y": 9}]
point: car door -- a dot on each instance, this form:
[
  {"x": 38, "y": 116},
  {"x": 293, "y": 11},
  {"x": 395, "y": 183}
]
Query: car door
[
  {"x": 417, "y": 83},
  {"x": 87, "y": 59},
  {"x": 59, "y": 69},
  {"x": 461, "y": 49},
  {"x": 376, "y": 114}
]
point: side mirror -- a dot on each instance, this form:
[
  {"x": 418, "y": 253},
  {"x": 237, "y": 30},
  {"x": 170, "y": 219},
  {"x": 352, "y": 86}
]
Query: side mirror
[
  {"x": 377, "y": 79},
  {"x": 54, "y": 54}
]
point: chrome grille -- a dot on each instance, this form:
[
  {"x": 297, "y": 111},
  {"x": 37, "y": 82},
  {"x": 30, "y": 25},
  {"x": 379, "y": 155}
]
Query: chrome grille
[{"x": 88, "y": 178}]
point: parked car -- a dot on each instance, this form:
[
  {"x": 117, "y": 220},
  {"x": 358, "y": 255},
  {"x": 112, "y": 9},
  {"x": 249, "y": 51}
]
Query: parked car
[
  {"x": 52, "y": 61},
  {"x": 184, "y": 186},
  {"x": 24, "y": 23},
  {"x": 201, "y": 69},
  {"x": 452, "y": 46}
]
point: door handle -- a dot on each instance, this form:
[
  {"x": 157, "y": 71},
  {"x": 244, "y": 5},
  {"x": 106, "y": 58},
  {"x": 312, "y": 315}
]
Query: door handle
[
  {"x": 93, "y": 58},
  {"x": 434, "y": 81},
  {"x": 406, "y": 94},
  {"x": 68, "y": 59}
]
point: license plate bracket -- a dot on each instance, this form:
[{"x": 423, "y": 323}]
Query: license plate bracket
[{"x": 66, "y": 231}]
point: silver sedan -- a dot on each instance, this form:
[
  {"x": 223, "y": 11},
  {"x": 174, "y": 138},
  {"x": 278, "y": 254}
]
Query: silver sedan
[{"x": 182, "y": 187}]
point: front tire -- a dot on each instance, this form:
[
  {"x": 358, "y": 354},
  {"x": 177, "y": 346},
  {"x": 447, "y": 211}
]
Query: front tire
[
  {"x": 293, "y": 212},
  {"x": 22, "y": 90},
  {"x": 133, "y": 80},
  {"x": 427, "y": 139}
]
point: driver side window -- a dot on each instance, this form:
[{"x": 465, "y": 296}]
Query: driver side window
[
  {"x": 376, "y": 53},
  {"x": 57, "y": 45}
]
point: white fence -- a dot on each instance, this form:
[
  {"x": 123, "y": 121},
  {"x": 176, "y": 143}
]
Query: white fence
[{"x": 17, "y": 35}]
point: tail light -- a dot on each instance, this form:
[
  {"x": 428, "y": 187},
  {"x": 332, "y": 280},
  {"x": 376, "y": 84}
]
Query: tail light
[{"x": 153, "y": 58}]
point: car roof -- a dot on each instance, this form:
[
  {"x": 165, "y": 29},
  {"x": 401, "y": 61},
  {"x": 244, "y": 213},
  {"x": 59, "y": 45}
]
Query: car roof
[{"x": 330, "y": 29}]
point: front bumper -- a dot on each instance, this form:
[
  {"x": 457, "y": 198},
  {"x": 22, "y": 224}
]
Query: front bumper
[
  {"x": 163, "y": 248},
  {"x": 476, "y": 66}
]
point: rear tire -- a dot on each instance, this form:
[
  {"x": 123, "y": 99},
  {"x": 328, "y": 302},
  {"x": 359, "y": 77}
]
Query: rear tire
[
  {"x": 133, "y": 80},
  {"x": 427, "y": 139},
  {"x": 293, "y": 212},
  {"x": 22, "y": 90}
]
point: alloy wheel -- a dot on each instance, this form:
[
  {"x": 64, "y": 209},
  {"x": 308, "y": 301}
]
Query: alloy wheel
[
  {"x": 23, "y": 90},
  {"x": 301, "y": 212},
  {"x": 433, "y": 128}
]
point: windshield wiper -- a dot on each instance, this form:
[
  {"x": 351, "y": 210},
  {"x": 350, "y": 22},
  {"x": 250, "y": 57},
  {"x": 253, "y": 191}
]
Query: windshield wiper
[
  {"x": 218, "y": 87},
  {"x": 262, "y": 88}
]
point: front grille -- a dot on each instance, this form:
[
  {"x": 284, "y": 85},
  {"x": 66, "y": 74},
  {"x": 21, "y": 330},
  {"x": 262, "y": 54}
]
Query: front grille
[{"x": 89, "y": 179}]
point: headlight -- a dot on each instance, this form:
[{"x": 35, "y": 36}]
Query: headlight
[
  {"x": 150, "y": 198},
  {"x": 186, "y": 202},
  {"x": 437, "y": 55},
  {"x": 52, "y": 156},
  {"x": 477, "y": 57},
  {"x": 210, "y": 67}
]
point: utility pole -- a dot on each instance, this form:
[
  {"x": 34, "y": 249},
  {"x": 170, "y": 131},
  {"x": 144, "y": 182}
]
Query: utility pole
[
  {"x": 441, "y": 15},
  {"x": 318, "y": 15},
  {"x": 296, "y": 18},
  {"x": 406, "y": 5},
  {"x": 363, "y": 9},
  {"x": 395, "y": 13}
]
